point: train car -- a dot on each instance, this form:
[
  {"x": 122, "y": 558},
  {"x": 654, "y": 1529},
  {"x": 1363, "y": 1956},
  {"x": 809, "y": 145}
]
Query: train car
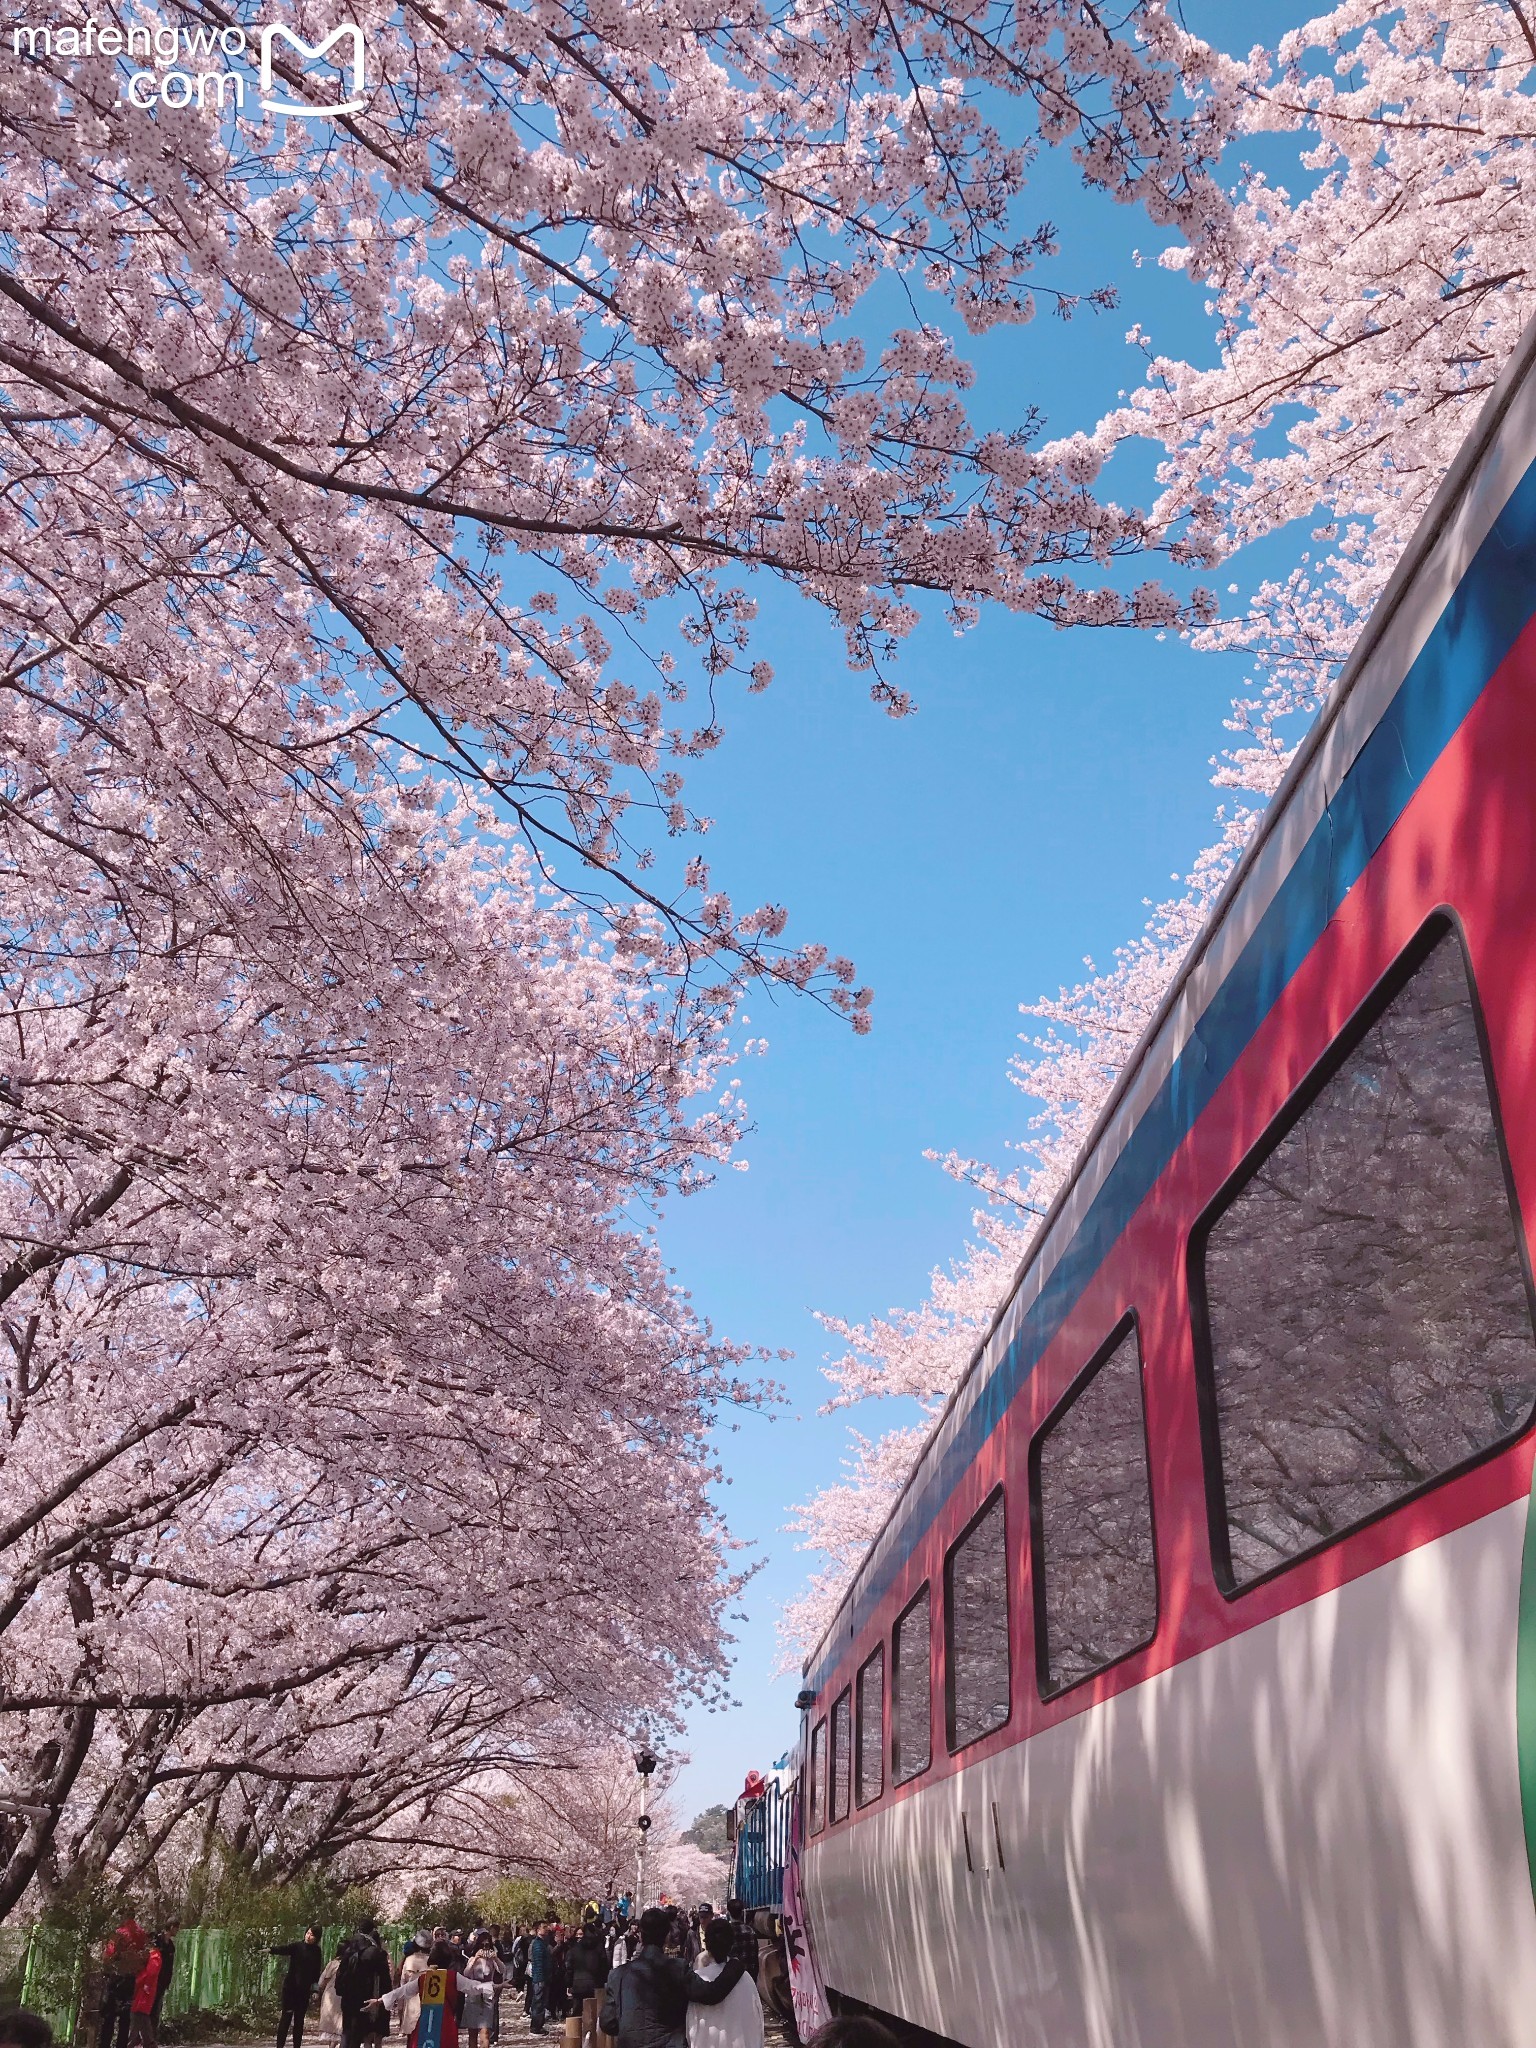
[
  {"x": 758, "y": 1830},
  {"x": 1188, "y": 1697}
]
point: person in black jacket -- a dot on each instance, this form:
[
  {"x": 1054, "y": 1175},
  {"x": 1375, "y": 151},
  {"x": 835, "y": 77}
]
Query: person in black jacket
[
  {"x": 305, "y": 1962},
  {"x": 648, "y": 2000},
  {"x": 588, "y": 1961},
  {"x": 560, "y": 1974},
  {"x": 362, "y": 1975},
  {"x": 166, "y": 1943}
]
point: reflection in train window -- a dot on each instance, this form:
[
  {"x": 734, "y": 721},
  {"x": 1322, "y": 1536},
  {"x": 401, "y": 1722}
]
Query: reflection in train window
[
  {"x": 976, "y": 1624},
  {"x": 911, "y": 1692},
  {"x": 1095, "y": 1562},
  {"x": 819, "y": 1778},
  {"x": 1361, "y": 1305},
  {"x": 871, "y": 1727},
  {"x": 842, "y": 1754}
]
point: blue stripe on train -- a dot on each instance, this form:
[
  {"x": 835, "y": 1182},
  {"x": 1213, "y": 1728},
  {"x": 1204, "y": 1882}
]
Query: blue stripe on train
[{"x": 1472, "y": 636}]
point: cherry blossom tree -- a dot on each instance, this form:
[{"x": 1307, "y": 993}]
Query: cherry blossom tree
[
  {"x": 335, "y": 1370},
  {"x": 1361, "y": 320},
  {"x": 359, "y": 479},
  {"x": 464, "y": 422},
  {"x": 577, "y": 1829}
]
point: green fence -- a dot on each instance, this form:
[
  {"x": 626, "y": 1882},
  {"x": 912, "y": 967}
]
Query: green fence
[
  {"x": 52, "y": 1970},
  {"x": 49, "y": 1975}
]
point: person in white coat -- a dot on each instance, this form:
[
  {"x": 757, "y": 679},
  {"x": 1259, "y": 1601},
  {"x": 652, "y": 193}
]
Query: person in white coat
[
  {"x": 328, "y": 2026},
  {"x": 737, "y": 2022}
]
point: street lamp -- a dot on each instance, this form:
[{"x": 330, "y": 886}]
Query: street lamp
[{"x": 646, "y": 1761}]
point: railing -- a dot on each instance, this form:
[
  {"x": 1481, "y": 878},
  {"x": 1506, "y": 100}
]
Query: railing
[{"x": 762, "y": 1847}]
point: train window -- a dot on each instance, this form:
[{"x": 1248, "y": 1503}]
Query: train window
[
  {"x": 1362, "y": 1310},
  {"x": 842, "y": 1754},
  {"x": 819, "y": 1778},
  {"x": 912, "y": 1692},
  {"x": 1091, "y": 1496},
  {"x": 871, "y": 1719},
  {"x": 976, "y": 1624}
]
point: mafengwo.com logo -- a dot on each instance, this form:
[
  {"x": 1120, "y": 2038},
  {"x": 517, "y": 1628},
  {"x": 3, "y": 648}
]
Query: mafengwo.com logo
[{"x": 161, "y": 63}]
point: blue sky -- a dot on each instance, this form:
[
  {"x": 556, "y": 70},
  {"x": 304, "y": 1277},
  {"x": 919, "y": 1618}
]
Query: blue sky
[{"x": 967, "y": 859}]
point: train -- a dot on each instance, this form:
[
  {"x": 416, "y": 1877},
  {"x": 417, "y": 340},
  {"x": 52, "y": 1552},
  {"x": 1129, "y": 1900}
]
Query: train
[{"x": 1187, "y": 1698}]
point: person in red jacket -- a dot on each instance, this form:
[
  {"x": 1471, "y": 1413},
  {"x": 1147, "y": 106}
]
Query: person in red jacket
[
  {"x": 141, "y": 2027},
  {"x": 122, "y": 1959}
]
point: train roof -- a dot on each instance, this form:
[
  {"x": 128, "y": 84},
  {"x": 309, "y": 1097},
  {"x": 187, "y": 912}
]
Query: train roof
[{"x": 1368, "y": 749}]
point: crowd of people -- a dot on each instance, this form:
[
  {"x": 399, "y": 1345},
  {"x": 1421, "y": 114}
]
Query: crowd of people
[
  {"x": 659, "y": 1976},
  {"x": 667, "y": 1978}
]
